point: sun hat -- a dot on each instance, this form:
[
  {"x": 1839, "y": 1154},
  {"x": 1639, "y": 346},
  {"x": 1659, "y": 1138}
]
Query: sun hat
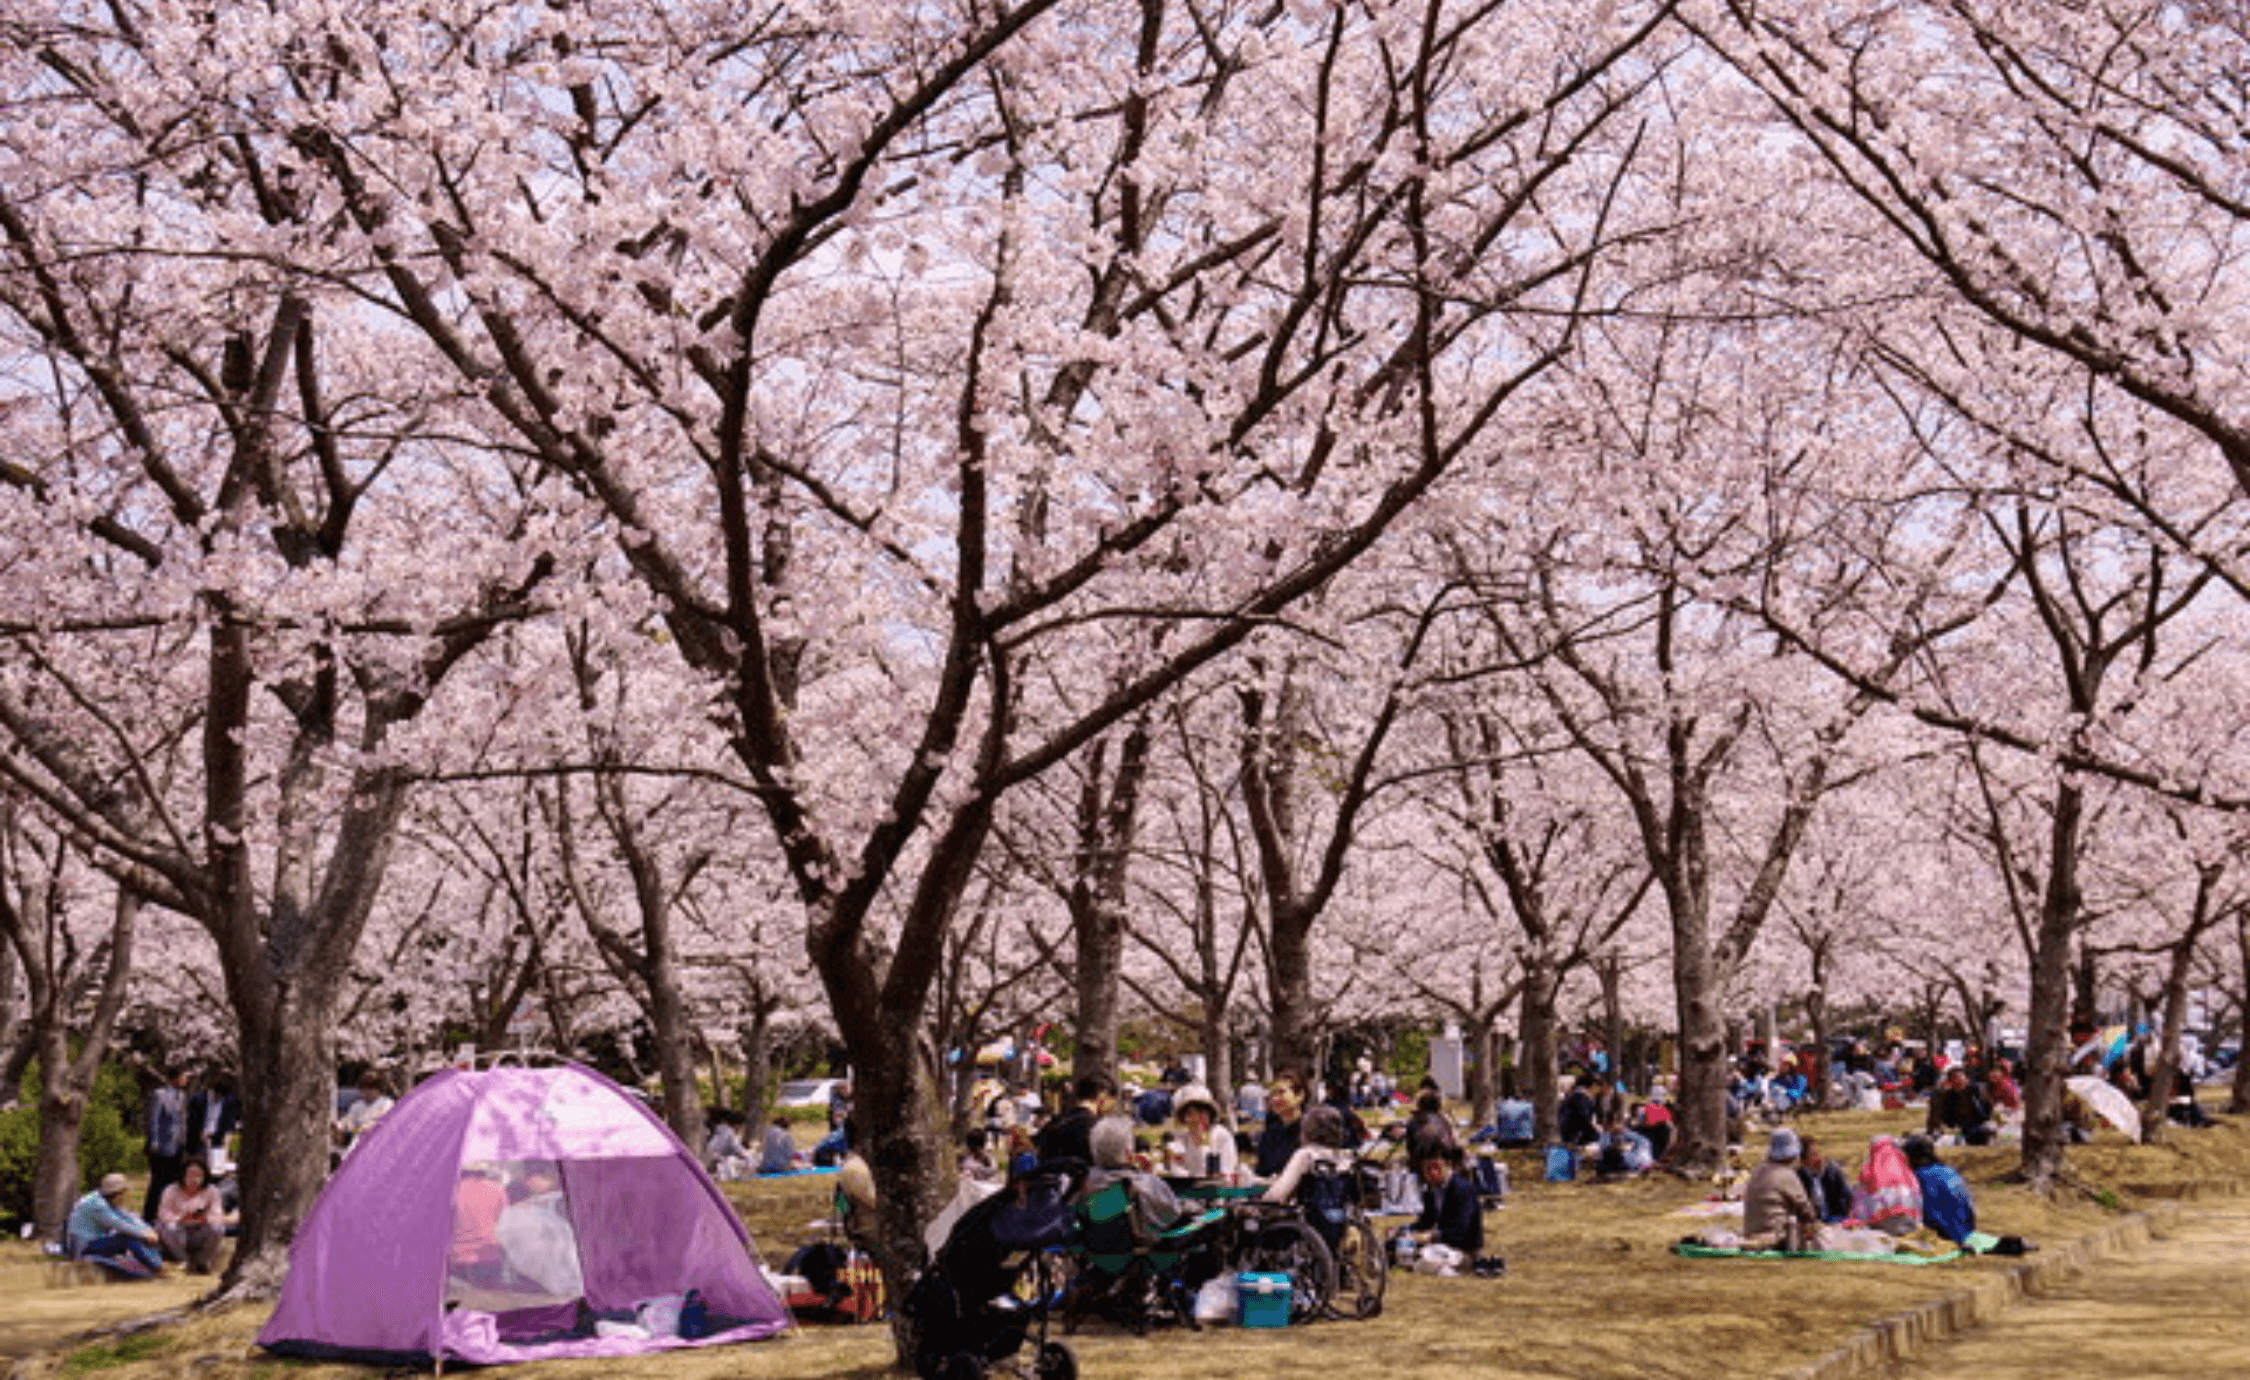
[
  {"x": 1784, "y": 1146},
  {"x": 1194, "y": 1095},
  {"x": 113, "y": 1185}
]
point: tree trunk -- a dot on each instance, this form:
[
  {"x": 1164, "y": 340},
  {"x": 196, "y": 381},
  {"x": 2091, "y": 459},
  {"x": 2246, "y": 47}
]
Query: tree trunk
[
  {"x": 1816, "y": 1011},
  {"x": 1218, "y": 1059},
  {"x": 1098, "y": 972},
  {"x": 67, "y": 1083},
  {"x": 1293, "y": 1043},
  {"x": 1538, "y": 1062},
  {"x": 1106, "y": 828},
  {"x": 757, "y": 1062},
  {"x": 62, "y": 1114},
  {"x": 1484, "y": 1066},
  {"x": 2047, "y": 1038},
  {"x": 2238, "y": 1098},
  {"x": 288, "y": 1092}
]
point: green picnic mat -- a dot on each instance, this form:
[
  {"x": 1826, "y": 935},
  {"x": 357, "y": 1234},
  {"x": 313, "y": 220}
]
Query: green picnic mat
[{"x": 1886, "y": 1258}]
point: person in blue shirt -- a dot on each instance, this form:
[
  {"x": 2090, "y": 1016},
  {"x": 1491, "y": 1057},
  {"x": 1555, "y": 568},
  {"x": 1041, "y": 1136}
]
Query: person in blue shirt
[
  {"x": 1947, "y": 1208},
  {"x": 100, "y": 1228},
  {"x": 1512, "y": 1122}
]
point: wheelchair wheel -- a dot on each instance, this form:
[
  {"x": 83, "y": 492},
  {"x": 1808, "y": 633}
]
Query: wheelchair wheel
[
  {"x": 1296, "y": 1250},
  {"x": 1362, "y": 1269}
]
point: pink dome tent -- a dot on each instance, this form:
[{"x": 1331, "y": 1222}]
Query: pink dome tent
[{"x": 576, "y": 1207}]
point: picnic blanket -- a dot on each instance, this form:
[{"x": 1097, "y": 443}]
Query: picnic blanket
[{"x": 1701, "y": 1252}]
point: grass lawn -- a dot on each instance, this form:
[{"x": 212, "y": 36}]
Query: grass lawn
[{"x": 1593, "y": 1290}]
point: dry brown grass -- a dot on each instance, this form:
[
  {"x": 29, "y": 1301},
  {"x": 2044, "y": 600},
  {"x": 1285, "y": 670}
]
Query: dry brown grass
[{"x": 1593, "y": 1290}]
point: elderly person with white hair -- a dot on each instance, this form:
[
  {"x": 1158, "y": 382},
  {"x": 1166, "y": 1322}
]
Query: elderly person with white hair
[
  {"x": 1775, "y": 1206},
  {"x": 1155, "y": 1206}
]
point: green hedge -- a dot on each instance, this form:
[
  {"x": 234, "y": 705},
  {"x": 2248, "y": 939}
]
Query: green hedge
[{"x": 110, "y": 1139}]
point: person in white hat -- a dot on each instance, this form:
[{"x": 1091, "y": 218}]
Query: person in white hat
[
  {"x": 1202, "y": 1146},
  {"x": 102, "y": 1229}
]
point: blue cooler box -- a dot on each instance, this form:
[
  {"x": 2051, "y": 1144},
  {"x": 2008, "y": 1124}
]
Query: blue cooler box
[{"x": 1263, "y": 1299}]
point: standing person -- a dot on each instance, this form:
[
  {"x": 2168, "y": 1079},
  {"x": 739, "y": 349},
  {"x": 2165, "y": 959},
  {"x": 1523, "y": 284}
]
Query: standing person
[
  {"x": 100, "y": 1228},
  {"x": 167, "y": 1140},
  {"x": 1578, "y": 1120},
  {"x": 1282, "y": 1133},
  {"x": 1249, "y": 1101},
  {"x": 211, "y": 1118},
  {"x": 191, "y": 1220}
]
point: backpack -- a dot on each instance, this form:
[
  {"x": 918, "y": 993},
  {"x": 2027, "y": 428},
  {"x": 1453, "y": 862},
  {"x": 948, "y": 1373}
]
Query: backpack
[{"x": 1325, "y": 1196}]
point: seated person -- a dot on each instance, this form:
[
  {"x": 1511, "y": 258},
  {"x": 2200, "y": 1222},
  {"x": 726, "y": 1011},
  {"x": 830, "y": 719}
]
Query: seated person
[
  {"x": 1452, "y": 1214},
  {"x": 374, "y": 1101},
  {"x": 1622, "y": 1151},
  {"x": 1279, "y": 1137},
  {"x": 1946, "y": 1204},
  {"x": 1155, "y": 1206},
  {"x": 855, "y": 1195},
  {"x": 1512, "y": 1123},
  {"x": 478, "y": 1200},
  {"x": 1776, "y": 1210},
  {"x": 191, "y": 1219},
  {"x": 1826, "y": 1183},
  {"x": 975, "y": 1164},
  {"x": 1653, "y": 1119},
  {"x": 1887, "y": 1196},
  {"x": 777, "y": 1150},
  {"x": 723, "y": 1151},
  {"x": 536, "y": 1236},
  {"x": 1322, "y": 1142},
  {"x": 101, "y": 1228},
  {"x": 1788, "y": 1086},
  {"x": 1203, "y": 1147},
  {"x": 1959, "y": 1106},
  {"x": 1429, "y": 1131}
]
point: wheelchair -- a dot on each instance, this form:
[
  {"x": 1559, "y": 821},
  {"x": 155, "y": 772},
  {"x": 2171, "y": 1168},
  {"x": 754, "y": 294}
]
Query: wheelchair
[{"x": 1333, "y": 1242}]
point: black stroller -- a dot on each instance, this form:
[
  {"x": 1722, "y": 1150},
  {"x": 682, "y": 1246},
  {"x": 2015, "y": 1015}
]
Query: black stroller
[{"x": 997, "y": 1282}]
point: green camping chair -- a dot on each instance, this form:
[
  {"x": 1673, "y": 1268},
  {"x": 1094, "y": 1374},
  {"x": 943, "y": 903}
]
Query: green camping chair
[{"x": 1134, "y": 1279}]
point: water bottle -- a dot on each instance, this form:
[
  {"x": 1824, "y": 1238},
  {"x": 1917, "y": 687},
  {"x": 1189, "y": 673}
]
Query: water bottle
[{"x": 694, "y": 1318}]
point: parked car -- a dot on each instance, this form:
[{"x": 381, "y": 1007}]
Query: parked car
[{"x": 808, "y": 1092}]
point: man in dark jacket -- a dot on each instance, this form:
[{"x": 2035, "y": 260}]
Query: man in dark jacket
[
  {"x": 1959, "y": 1105},
  {"x": 1068, "y": 1136},
  {"x": 1578, "y": 1120}
]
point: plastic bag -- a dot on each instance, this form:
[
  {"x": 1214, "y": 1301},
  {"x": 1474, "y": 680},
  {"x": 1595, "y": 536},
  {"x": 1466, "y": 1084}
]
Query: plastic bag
[
  {"x": 660, "y": 1315},
  {"x": 1562, "y": 1164},
  {"x": 1215, "y": 1301},
  {"x": 1439, "y": 1259}
]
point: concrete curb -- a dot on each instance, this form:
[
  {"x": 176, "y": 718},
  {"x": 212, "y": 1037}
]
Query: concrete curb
[{"x": 1903, "y": 1336}]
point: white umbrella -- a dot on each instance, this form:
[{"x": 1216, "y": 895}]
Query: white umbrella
[{"x": 2110, "y": 1104}]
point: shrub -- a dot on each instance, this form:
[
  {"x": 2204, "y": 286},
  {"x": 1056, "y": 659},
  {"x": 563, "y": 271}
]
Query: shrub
[{"x": 108, "y": 1139}]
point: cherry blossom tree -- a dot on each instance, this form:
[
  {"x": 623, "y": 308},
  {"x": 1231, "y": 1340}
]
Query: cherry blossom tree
[
  {"x": 914, "y": 356},
  {"x": 75, "y": 985}
]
